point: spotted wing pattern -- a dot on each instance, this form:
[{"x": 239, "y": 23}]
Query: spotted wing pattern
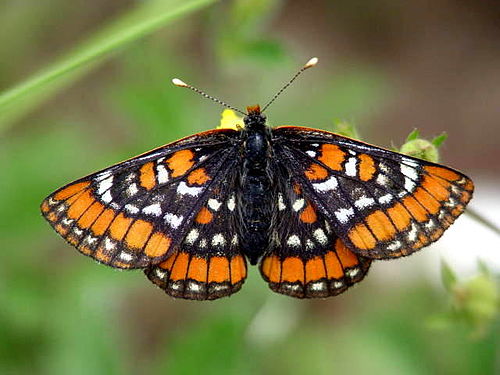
[
  {"x": 380, "y": 203},
  {"x": 207, "y": 264},
  {"x": 136, "y": 213},
  {"x": 306, "y": 258}
]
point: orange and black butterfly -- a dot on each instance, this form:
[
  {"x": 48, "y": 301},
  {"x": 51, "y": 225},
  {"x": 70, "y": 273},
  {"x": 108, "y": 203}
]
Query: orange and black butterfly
[{"x": 311, "y": 207}]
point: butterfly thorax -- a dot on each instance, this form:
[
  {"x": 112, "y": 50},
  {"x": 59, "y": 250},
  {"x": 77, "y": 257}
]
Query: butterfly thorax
[{"x": 255, "y": 188}]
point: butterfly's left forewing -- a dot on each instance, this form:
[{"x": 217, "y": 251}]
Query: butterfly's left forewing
[
  {"x": 380, "y": 203},
  {"x": 135, "y": 213}
]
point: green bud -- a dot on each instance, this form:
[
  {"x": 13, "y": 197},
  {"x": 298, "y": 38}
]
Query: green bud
[{"x": 422, "y": 149}]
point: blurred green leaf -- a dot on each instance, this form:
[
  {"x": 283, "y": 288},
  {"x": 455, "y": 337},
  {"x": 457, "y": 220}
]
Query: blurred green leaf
[
  {"x": 146, "y": 18},
  {"x": 346, "y": 128},
  {"x": 413, "y": 135},
  {"x": 438, "y": 140},
  {"x": 448, "y": 276}
]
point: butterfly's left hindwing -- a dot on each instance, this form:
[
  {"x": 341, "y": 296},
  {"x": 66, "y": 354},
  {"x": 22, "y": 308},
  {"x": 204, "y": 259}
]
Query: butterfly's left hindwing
[
  {"x": 380, "y": 203},
  {"x": 208, "y": 263},
  {"x": 133, "y": 215},
  {"x": 306, "y": 258}
]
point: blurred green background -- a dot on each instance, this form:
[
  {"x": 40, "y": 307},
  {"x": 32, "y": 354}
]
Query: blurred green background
[{"x": 88, "y": 84}]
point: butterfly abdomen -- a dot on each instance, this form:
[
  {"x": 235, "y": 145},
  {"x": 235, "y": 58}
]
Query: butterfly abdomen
[{"x": 255, "y": 196}]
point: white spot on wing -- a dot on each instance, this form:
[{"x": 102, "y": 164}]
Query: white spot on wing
[
  {"x": 385, "y": 198},
  {"x": 344, "y": 214},
  {"x": 161, "y": 173},
  {"x": 214, "y": 204},
  {"x": 132, "y": 189},
  {"x": 231, "y": 204},
  {"x": 107, "y": 197},
  {"x": 320, "y": 236},
  {"x": 126, "y": 256},
  {"x": 382, "y": 179},
  {"x": 352, "y": 272},
  {"x": 108, "y": 244},
  {"x": 152, "y": 209},
  {"x": 330, "y": 184},
  {"x": 173, "y": 220},
  {"x": 131, "y": 208},
  {"x": 161, "y": 274},
  {"x": 299, "y": 203},
  {"x": 293, "y": 241},
  {"x": 183, "y": 189},
  {"x": 281, "y": 203},
  {"x": 311, "y": 153},
  {"x": 364, "y": 202},
  {"x": 192, "y": 236},
  {"x": 410, "y": 176},
  {"x": 103, "y": 176},
  {"x": 412, "y": 234},
  {"x": 350, "y": 167},
  {"x": 394, "y": 245},
  {"x": 105, "y": 185},
  {"x": 218, "y": 239}
]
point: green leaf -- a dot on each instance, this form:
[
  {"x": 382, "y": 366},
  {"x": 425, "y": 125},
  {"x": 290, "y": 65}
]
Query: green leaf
[
  {"x": 143, "y": 20},
  {"x": 448, "y": 276},
  {"x": 413, "y": 135},
  {"x": 346, "y": 129},
  {"x": 438, "y": 141}
]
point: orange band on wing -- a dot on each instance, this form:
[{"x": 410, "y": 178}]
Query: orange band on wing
[
  {"x": 315, "y": 269},
  {"x": 138, "y": 234},
  {"x": 147, "y": 176},
  {"x": 180, "y": 162},
  {"x": 70, "y": 190},
  {"x": 238, "y": 269},
  {"x": 204, "y": 216},
  {"x": 158, "y": 245},
  {"x": 316, "y": 172},
  {"x": 332, "y": 156},
  {"x": 119, "y": 226},
  {"x": 80, "y": 205},
  {"x": 218, "y": 270},
  {"x": 198, "y": 177},
  {"x": 366, "y": 167},
  {"x": 442, "y": 172},
  {"x": 292, "y": 270},
  {"x": 198, "y": 269},
  {"x": 308, "y": 215}
]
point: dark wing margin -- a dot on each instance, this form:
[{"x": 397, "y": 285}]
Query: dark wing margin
[
  {"x": 382, "y": 204},
  {"x": 133, "y": 214},
  {"x": 306, "y": 258}
]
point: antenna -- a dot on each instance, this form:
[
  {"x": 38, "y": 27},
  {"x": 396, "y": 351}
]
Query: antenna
[
  {"x": 312, "y": 62},
  {"x": 179, "y": 83}
]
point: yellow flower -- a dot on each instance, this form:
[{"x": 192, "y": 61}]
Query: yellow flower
[{"x": 230, "y": 120}]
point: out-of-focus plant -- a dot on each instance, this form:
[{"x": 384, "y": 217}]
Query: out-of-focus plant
[
  {"x": 474, "y": 303},
  {"x": 241, "y": 34},
  {"x": 140, "y": 21},
  {"x": 422, "y": 148}
]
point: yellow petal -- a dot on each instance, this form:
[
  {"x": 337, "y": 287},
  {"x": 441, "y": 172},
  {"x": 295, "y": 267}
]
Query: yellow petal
[{"x": 230, "y": 120}]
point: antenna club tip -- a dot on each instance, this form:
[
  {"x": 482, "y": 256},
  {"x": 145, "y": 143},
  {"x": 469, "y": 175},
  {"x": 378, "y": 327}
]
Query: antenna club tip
[
  {"x": 179, "y": 83},
  {"x": 312, "y": 62}
]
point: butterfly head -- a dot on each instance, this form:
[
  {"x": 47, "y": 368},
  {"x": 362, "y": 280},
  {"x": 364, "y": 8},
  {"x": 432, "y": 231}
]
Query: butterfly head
[{"x": 254, "y": 118}]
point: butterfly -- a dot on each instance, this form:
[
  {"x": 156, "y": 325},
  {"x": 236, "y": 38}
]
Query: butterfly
[{"x": 312, "y": 208}]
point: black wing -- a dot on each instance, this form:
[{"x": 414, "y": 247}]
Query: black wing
[
  {"x": 380, "y": 203},
  {"x": 134, "y": 214}
]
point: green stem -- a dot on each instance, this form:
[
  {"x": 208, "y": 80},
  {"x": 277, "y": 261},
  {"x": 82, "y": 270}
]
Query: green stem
[{"x": 139, "y": 22}]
